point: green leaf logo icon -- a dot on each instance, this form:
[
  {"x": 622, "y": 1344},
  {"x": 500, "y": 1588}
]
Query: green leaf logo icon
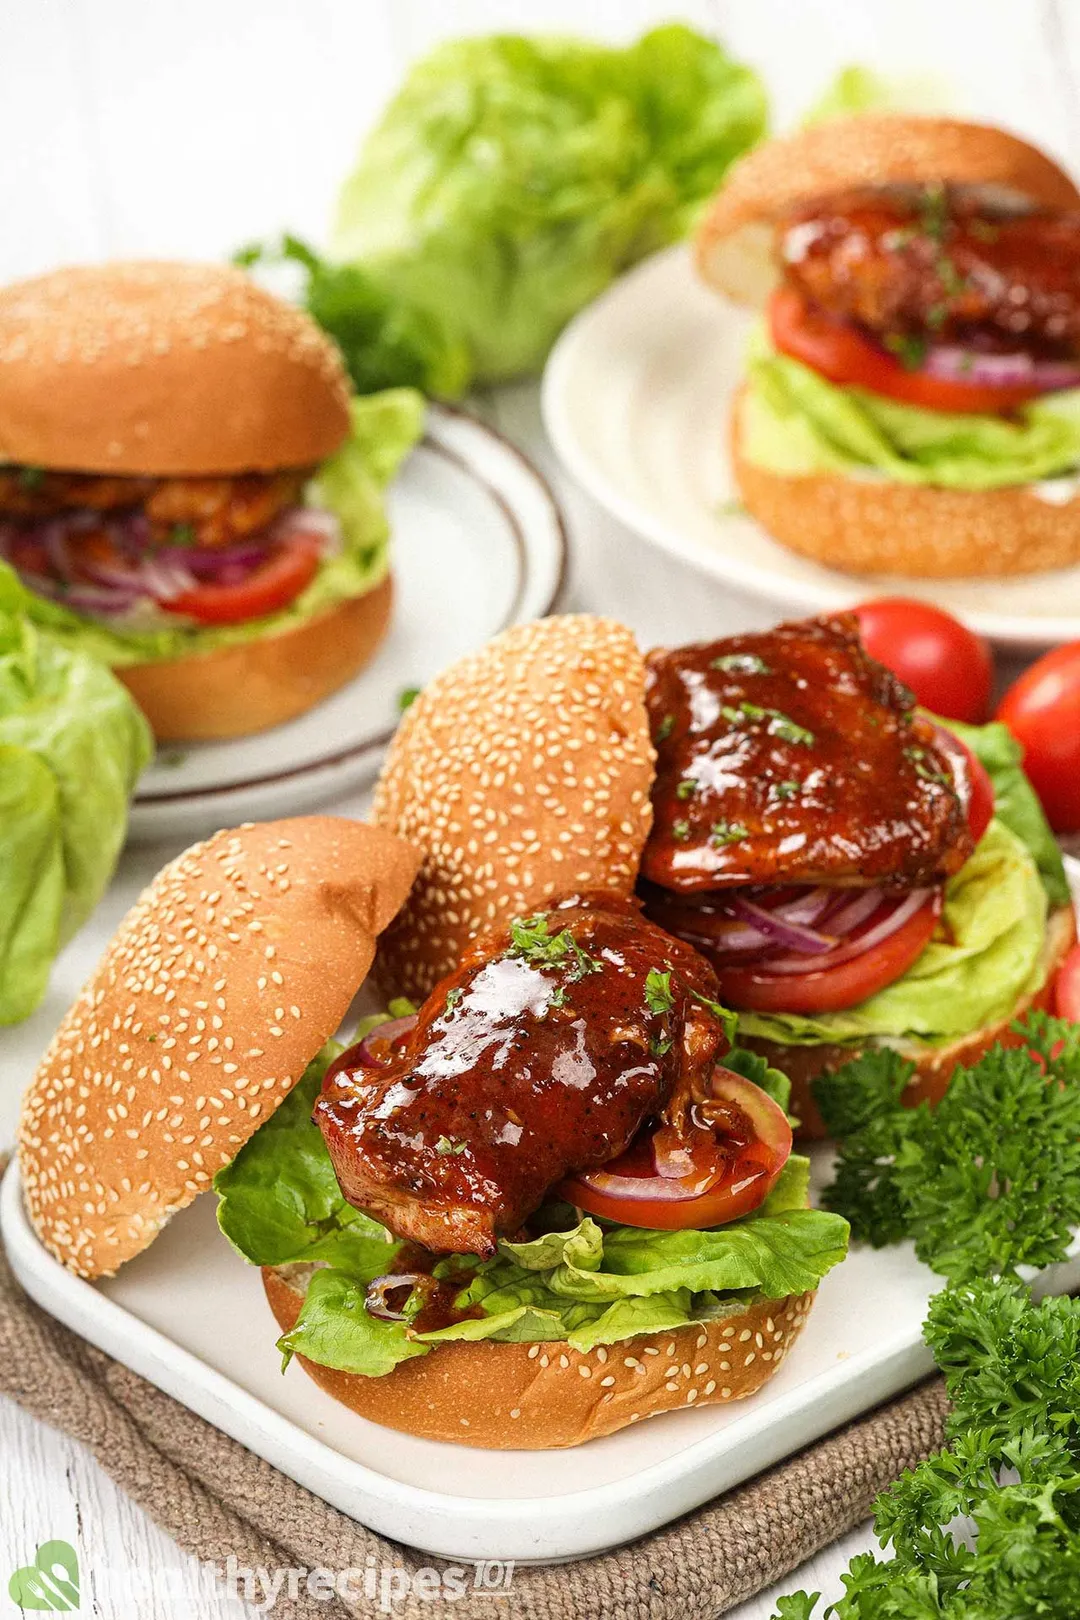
[{"x": 51, "y": 1581}]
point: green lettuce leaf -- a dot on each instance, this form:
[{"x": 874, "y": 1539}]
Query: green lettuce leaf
[
  {"x": 351, "y": 484},
  {"x": 279, "y": 1199},
  {"x": 512, "y": 178},
  {"x": 72, "y": 745},
  {"x": 988, "y": 956},
  {"x": 584, "y": 1281},
  {"x": 796, "y": 423},
  {"x": 1016, "y": 803}
]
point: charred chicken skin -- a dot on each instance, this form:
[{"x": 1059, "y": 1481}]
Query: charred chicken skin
[
  {"x": 933, "y": 264},
  {"x": 544, "y": 1053},
  {"x": 790, "y": 756}
]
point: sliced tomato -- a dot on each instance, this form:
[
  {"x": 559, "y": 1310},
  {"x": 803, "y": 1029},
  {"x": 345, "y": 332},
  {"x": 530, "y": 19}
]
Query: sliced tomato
[
  {"x": 839, "y": 352},
  {"x": 1067, "y": 987},
  {"x": 722, "y": 1166},
  {"x": 291, "y": 566},
  {"x": 972, "y": 780},
  {"x": 752, "y": 988}
]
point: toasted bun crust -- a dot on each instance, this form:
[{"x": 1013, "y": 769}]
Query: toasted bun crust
[
  {"x": 908, "y": 530},
  {"x": 733, "y": 246},
  {"x": 164, "y": 368},
  {"x": 237, "y": 690},
  {"x": 933, "y": 1064},
  {"x": 534, "y": 1397},
  {"x": 221, "y": 983},
  {"x": 522, "y": 773}
]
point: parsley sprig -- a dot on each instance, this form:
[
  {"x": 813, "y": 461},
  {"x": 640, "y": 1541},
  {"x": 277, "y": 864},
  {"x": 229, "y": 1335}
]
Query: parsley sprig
[
  {"x": 532, "y": 940},
  {"x": 985, "y": 1183},
  {"x": 989, "y": 1527}
]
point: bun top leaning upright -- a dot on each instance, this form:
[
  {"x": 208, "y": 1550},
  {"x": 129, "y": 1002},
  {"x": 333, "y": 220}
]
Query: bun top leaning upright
[
  {"x": 733, "y": 246},
  {"x": 219, "y": 987},
  {"x": 164, "y": 369}
]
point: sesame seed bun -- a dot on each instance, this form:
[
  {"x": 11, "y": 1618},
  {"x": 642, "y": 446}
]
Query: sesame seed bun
[
  {"x": 220, "y": 985},
  {"x": 234, "y": 691},
  {"x": 521, "y": 773},
  {"x": 162, "y": 368},
  {"x": 934, "y": 1065},
  {"x": 907, "y": 531},
  {"x": 733, "y": 246},
  {"x": 534, "y": 1397}
]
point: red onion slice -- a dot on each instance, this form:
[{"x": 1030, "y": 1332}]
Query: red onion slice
[
  {"x": 853, "y": 911},
  {"x": 902, "y": 912},
  {"x": 792, "y": 936},
  {"x": 386, "y": 1034},
  {"x": 376, "y": 1300},
  {"x": 955, "y": 364}
]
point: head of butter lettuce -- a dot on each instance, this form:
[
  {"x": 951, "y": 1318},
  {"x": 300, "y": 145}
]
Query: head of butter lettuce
[
  {"x": 989, "y": 952},
  {"x": 72, "y": 744},
  {"x": 507, "y": 183},
  {"x": 588, "y": 1282},
  {"x": 351, "y": 484},
  {"x": 794, "y": 422}
]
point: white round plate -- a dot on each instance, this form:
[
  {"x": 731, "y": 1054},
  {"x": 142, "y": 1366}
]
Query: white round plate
[
  {"x": 478, "y": 544},
  {"x": 636, "y": 399}
]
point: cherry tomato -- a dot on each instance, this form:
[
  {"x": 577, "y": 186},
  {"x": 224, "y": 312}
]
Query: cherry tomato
[
  {"x": 832, "y": 989},
  {"x": 724, "y": 1166},
  {"x": 972, "y": 780},
  {"x": 1042, "y": 710},
  {"x": 839, "y": 352},
  {"x": 1067, "y": 987},
  {"x": 948, "y": 667},
  {"x": 272, "y": 585}
]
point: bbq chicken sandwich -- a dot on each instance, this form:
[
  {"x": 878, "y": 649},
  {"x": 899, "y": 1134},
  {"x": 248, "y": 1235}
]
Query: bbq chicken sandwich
[
  {"x": 554, "y": 1199},
  {"x": 912, "y": 400},
  {"x": 189, "y": 491}
]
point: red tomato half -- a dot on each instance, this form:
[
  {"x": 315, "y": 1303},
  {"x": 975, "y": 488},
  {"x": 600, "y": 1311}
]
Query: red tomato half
[
  {"x": 725, "y": 1166},
  {"x": 274, "y": 584},
  {"x": 1067, "y": 987},
  {"x": 948, "y": 667},
  {"x": 1042, "y": 710},
  {"x": 840, "y": 353},
  {"x": 832, "y": 989}
]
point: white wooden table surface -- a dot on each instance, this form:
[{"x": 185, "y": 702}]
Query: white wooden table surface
[{"x": 140, "y": 127}]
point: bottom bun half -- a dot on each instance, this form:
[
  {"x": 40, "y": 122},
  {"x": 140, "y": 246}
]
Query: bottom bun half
[
  {"x": 934, "y": 1065},
  {"x": 535, "y": 1397},
  {"x": 910, "y": 531},
  {"x": 234, "y": 691}
]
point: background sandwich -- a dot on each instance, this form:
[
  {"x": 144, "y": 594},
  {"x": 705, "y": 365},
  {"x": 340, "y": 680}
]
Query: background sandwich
[
  {"x": 189, "y": 492},
  {"x": 911, "y": 404}
]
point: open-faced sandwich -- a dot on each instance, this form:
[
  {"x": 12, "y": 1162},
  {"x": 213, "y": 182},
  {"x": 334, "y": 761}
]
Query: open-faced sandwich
[
  {"x": 553, "y": 1201},
  {"x": 190, "y": 493},
  {"x": 912, "y": 399}
]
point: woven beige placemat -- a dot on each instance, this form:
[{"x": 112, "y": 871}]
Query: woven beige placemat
[{"x": 216, "y": 1499}]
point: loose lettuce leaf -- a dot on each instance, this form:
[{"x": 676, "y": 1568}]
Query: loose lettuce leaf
[
  {"x": 987, "y": 956},
  {"x": 584, "y": 1281},
  {"x": 72, "y": 744},
  {"x": 351, "y": 484},
  {"x": 862, "y": 90},
  {"x": 511, "y": 179},
  {"x": 1016, "y": 803},
  {"x": 796, "y": 423}
]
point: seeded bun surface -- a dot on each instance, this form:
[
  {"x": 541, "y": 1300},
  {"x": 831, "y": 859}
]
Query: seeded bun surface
[
  {"x": 220, "y": 985},
  {"x": 162, "y": 368},
  {"x": 536, "y": 1397},
  {"x": 521, "y": 773},
  {"x": 733, "y": 246}
]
